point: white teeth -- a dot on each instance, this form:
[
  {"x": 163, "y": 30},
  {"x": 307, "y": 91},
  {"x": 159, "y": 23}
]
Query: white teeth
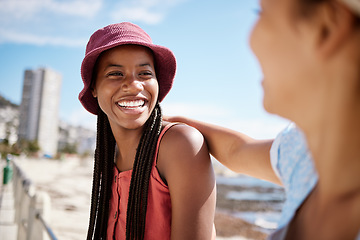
[{"x": 130, "y": 104}]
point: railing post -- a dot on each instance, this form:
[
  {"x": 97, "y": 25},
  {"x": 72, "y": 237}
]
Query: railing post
[
  {"x": 31, "y": 218},
  {"x": 17, "y": 193},
  {"x": 19, "y": 208},
  {"x": 41, "y": 206},
  {"x": 28, "y": 193}
]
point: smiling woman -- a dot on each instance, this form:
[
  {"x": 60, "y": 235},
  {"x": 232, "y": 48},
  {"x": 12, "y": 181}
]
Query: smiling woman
[{"x": 142, "y": 182}]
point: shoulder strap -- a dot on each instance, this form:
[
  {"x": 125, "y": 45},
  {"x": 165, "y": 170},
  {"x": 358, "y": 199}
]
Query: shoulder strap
[{"x": 162, "y": 133}]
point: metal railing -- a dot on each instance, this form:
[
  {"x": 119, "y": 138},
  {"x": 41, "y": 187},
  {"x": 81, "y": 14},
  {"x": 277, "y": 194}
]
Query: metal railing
[{"x": 31, "y": 208}]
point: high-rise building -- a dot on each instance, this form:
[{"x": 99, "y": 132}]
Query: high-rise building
[{"x": 39, "y": 109}]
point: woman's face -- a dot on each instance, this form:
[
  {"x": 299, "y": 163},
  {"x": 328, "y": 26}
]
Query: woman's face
[
  {"x": 282, "y": 44},
  {"x": 126, "y": 86}
]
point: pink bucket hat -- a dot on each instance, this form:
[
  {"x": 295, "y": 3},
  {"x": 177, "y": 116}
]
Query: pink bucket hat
[{"x": 119, "y": 34}]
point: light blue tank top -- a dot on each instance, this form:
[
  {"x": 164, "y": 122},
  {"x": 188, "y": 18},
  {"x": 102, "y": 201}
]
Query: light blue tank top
[{"x": 293, "y": 164}]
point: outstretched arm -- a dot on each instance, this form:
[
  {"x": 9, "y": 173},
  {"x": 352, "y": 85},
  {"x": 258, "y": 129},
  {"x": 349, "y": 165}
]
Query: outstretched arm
[
  {"x": 184, "y": 162},
  {"x": 235, "y": 150}
]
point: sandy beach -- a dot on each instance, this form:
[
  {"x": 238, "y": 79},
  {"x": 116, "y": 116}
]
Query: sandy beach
[{"x": 68, "y": 182}]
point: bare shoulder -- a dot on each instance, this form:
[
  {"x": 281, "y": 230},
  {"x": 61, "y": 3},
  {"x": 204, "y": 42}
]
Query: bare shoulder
[
  {"x": 182, "y": 147},
  {"x": 182, "y": 136}
]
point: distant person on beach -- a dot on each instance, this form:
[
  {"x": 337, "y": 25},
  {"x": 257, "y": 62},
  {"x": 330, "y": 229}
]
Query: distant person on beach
[
  {"x": 309, "y": 52},
  {"x": 152, "y": 179}
]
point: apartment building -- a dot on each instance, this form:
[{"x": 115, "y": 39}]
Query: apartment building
[{"x": 39, "y": 109}]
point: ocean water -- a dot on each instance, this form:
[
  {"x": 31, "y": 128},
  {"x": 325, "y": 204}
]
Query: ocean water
[
  {"x": 244, "y": 180},
  {"x": 271, "y": 194}
]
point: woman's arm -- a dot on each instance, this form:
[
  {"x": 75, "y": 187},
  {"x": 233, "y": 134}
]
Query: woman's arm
[
  {"x": 235, "y": 150},
  {"x": 185, "y": 163}
]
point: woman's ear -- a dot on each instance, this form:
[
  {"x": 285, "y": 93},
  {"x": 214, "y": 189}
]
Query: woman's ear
[{"x": 336, "y": 24}]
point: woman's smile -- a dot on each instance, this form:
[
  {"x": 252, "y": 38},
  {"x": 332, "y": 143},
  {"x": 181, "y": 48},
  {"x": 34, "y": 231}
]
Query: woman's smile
[
  {"x": 131, "y": 104},
  {"x": 133, "y": 107}
]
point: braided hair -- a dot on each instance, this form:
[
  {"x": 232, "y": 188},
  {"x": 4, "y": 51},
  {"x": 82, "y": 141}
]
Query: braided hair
[{"x": 103, "y": 176}]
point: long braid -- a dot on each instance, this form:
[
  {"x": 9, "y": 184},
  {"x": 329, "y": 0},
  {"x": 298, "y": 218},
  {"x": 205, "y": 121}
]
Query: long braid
[
  {"x": 147, "y": 171},
  {"x": 138, "y": 193},
  {"x": 134, "y": 205},
  {"x": 140, "y": 175},
  {"x": 95, "y": 187},
  {"x": 96, "y": 183},
  {"x": 107, "y": 176},
  {"x": 103, "y": 175},
  {"x": 102, "y": 179}
]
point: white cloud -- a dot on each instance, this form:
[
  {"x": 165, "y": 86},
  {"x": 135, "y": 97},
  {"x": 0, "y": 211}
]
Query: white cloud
[
  {"x": 45, "y": 22},
  {"x": 27, "y": 9},
  {"x": 62, "y": 22},
  {"x": 28, "y": 38},
  {"x": 82, "y": 8},
  {"x": 137, "y": 14},
  {"x": 146, "y": 11}
]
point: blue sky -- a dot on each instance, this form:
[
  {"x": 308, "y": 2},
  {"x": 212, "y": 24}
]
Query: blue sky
[{"x": 218, "y": 77}]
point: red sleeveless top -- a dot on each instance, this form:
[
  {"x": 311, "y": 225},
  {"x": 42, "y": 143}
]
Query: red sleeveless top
[{"x": 158, "y": 215}]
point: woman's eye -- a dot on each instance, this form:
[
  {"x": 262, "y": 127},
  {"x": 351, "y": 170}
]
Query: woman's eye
[
  {"x": 115, "y": 74},
  {"x": 146, "y": 74}
]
